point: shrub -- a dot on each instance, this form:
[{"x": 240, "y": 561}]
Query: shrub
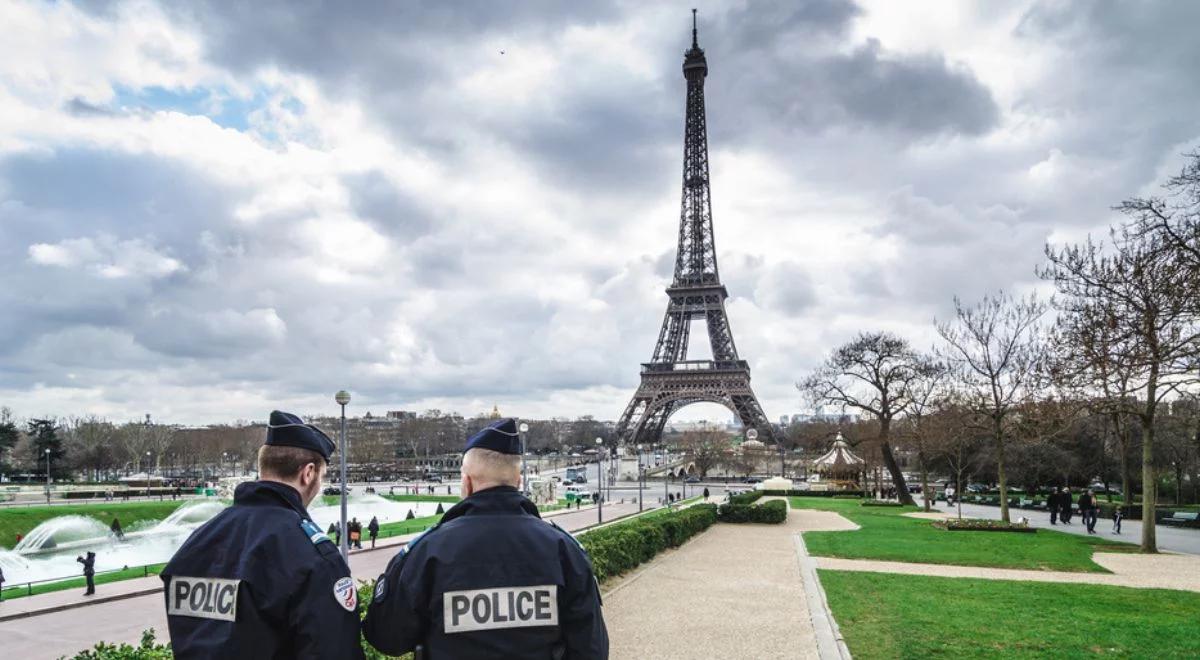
[
  {"x": 149, "y": 649},
  {"x": 620, "y": 547},
  {"x": 746, "y": 498},
  {"x": 773, "y": 512}
]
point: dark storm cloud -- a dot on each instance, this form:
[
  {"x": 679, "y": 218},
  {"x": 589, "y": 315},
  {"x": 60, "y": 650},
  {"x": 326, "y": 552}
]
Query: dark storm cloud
[
  {"x": 784, "y": 63},
  {"x": 378, "y": 200}
]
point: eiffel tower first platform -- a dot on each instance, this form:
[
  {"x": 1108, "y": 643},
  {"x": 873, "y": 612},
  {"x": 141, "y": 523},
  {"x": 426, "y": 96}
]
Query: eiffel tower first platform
[{"x": 670, "y": 381}]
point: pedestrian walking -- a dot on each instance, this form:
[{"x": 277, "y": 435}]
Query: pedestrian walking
[
  {"x": 355, "y": 533},
  {"x": 1053, "y": 504},
  {"x": 89, "y": 572},
  {"x": 1, "y": 584},
  {"x": 1116, "y": 517},
  {"x": 706, "y": 494},
  {"x": 373, "y": 528},
  {"x": 491, "y": 579},
  {"x": 1087, "y": 508},
  {"x": 1066, "y": 503},
  {"x": 333, "y": 531},
  {"x": 260, "y": 580}
]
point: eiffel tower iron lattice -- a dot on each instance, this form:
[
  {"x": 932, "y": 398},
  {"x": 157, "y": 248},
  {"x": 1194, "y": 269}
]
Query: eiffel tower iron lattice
[{"x": 670, "y": 381}]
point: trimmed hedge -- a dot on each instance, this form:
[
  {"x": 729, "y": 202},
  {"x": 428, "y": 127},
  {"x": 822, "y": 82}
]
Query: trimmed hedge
[
  {"x": 622, "y": 546},
  {"x": 746, "y": 499},
  {"x": 772, "y": 513}
]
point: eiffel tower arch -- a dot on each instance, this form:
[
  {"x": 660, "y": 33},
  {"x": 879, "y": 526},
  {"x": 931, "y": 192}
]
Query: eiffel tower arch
[{"x": 670, "y": 380}]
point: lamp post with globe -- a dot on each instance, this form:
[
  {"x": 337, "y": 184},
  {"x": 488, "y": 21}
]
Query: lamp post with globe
[
  {"x": 342, "y": 398},
  {"x": 524, "y": 430}
]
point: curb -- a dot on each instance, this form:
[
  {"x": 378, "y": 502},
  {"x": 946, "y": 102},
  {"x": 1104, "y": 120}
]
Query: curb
[
  {"x": 830, "y": 643},
  {"x": 82, "y": 603}
]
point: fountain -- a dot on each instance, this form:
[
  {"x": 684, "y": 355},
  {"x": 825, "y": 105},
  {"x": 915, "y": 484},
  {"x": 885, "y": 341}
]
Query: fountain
[{"x": 49, "y": 550}]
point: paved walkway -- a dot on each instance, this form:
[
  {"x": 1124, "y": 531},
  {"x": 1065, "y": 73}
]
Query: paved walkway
[
  {"x": 1170, "y": 539},
  {"x": 735, "y": 591},
  {"x": 1174, "y": 571}
]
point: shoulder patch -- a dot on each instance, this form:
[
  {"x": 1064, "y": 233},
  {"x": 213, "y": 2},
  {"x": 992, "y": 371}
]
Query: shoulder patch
[
  {"x": 313, "y": 532},
  {"x": 380, "y": 588},
  {"x": 345, "y": 593}
]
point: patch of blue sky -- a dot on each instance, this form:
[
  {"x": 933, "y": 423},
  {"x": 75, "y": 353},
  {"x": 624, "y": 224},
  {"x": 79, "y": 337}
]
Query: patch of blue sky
[{"x": 223, "y": 108}]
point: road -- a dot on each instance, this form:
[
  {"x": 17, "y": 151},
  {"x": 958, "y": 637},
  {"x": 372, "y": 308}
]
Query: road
[
  {"x": 70, "y": 631},
  {"x": 1172, "y": 539}
]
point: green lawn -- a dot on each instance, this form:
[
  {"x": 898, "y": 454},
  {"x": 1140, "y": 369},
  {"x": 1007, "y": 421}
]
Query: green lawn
[
  {"x": 78, "y": 583},
  {"x": 887, "y": 535},
  {"x": 907, "y": 616},
  {"x": 22, "y": 519}
]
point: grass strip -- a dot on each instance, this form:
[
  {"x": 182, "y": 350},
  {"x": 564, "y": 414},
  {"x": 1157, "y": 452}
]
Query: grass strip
[
  {"x": 885, "y": 615},
  {"x": 887, "y": 535},
  {"x": 22, "y": 520}
]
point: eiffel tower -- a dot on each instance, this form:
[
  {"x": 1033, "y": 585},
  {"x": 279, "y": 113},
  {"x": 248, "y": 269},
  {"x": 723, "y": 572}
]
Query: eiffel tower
[{"x": 670, "y": 381}]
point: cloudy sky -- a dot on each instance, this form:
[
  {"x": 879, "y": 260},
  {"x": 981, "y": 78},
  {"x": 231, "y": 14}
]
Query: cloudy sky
[{"x": 208, "y": 210}]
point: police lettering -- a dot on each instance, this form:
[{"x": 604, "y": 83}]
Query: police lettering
[
  {"x": 204, "y": 598},
  {"x": 501, "y": 607}
]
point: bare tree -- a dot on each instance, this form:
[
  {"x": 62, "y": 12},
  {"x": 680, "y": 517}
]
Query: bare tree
[
  {"x": 705, "y": 448},
  {"x": 995, "y": 348},
  {"x": 1149, "y": 294},
  {"x": 877, "y": 373},
  {"x": 91, "y": 441},
  {"x": 927, "y": 397}
]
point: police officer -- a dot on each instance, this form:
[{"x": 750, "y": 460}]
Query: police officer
[
  {"x": 492, "y": 579},
  {"x": 261, "y": 580}
]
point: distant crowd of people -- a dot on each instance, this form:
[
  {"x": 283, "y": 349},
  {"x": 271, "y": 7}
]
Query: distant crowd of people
[{"x": 1062, "y": 506}]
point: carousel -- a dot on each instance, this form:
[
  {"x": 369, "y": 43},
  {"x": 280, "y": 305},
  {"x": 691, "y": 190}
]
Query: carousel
[{"x": 837, "y": 469}]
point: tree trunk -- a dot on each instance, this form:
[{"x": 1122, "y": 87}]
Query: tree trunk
[
  {"x": 1000, "y": 475},
  {"x": 1149, "y": 486},
  {"x": 889, "y": 460},
  {"x": 1126, "y": 476},
  {"x": 924, "y": 480}
]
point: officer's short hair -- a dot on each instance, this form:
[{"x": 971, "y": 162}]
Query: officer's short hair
[
  {"x": 285, "y": 462},
  {"x": 492, "y": 465}
]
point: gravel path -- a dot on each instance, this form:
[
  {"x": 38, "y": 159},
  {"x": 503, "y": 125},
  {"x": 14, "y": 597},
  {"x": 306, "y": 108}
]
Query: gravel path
[
  {"x": 1166, "y": 571},
  {"x": 735, "y": 591}
]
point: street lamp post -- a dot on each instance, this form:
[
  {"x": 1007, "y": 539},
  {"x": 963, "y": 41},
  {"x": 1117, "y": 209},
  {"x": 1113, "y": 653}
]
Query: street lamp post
[
  {"x": 342, "y": 398},
  {"x": 524, "y": 429},
  {"x": 600, "y": 485},
  {"x": 47, "y": 475},
  {"x": 641, "y": 477}
]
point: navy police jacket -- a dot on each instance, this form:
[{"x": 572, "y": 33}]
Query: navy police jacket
[
  {"x": 261, "y": 580},
  {"x": 491, "y": 580}
]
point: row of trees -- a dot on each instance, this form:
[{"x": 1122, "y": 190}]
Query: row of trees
[{"x": 1115, "y": 353}]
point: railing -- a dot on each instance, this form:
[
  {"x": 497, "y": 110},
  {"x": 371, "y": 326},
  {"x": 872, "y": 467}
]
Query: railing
[
  {"x": 695, "y": 365},
  {"x": 27, "y": 587}
]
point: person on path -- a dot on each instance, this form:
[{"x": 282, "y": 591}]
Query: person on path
[
  {"x": 89, "y": 572},
  {"x": 355, "y": 533},
  {"x": 491, "y": 579},
  {"x": 333, "y": 531},
  {"x": 706, "y": 494},
  {"x": 1087, "y": 507},
  {"x": 1116, "y": 520},
  {"x": 373, "y": 528},
  {"x": 1065, "y": 503},
  {"x": 115, "y": 528},
  {"x": 1, "y": 584},
  {"x": 1054, "y": 504},
  {"x": 260, "y": 580}
]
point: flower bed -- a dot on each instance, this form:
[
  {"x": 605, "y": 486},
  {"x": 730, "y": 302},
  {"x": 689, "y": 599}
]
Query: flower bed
[
  {"x": 880, "y": 503},
  {"x": 976, "y": 525}
]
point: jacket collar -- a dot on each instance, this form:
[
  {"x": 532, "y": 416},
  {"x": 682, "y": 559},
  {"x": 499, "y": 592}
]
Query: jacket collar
[
  {"x": 269, "y": 493},
  {"x": 498, "y": 500}
]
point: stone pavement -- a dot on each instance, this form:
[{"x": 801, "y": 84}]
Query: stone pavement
[
  {"x": 1166, "y": 571},
  {"x": 734, "y": 591}
]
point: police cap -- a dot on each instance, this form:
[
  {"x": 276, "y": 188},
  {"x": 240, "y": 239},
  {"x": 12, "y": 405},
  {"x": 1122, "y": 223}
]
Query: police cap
[
  {"x": 288, "y": 430},
  {"x": 500, "y": 436}
]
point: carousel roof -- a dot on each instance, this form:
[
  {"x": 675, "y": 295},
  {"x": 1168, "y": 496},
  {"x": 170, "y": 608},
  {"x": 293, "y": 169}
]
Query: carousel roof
[{"x": 839, "y": 455}]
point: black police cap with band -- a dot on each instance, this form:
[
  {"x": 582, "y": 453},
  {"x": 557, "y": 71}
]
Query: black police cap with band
[
  {"x": 500, "y": 436},
  {"x": 288, "y": 430}
]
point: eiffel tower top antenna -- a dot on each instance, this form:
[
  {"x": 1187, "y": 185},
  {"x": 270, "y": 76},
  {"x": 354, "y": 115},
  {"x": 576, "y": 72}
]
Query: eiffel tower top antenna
[{"x": 695, "y": 44}]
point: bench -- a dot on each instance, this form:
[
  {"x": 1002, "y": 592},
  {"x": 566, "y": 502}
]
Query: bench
[{"x": 1181, "y": 518}]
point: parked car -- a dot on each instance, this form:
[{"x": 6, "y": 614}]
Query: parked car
[
  {"x": 751, "y": 480},
  {"x": 692, "y": 480},
  {"x": 434, "y": 479},
  {"x": 334, "y": 490}
]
